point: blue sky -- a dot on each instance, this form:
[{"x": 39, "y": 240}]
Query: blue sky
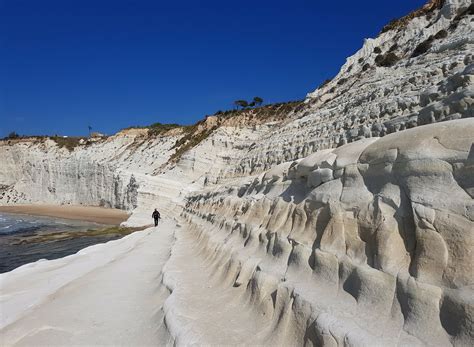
[{"x": 111, "y": 64}]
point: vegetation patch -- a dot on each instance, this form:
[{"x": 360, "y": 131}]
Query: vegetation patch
[
  {"x": 12, "y": 136},
  {"x": 68, "y": 142},
  {"x": 190, "y": 140},
  {"x": 197, "y": 133},
  {"x": 257, "y": 101},
  {"x": 277, "y": 111},
  {"x": 426, "y": 10},
  {"x": 159, "y": 128}
]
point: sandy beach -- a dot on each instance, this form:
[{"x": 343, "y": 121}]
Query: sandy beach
[{"x": 84, "y": 213}]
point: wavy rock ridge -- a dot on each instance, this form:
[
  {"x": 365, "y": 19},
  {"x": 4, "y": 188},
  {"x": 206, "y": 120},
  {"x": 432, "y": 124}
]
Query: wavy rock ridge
[
  {"x": 347, "y": 221},
  {"x": 369, "y": 243}
]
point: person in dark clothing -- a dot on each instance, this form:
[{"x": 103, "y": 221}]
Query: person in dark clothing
[{"x": 156, "y": 216}]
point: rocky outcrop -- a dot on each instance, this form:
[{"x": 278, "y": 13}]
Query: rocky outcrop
[{"x": 370, "y": 243}]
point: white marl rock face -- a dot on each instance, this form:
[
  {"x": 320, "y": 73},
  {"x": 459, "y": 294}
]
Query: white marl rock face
[
  {"x": 348, "y": 222},
  {"x": 104, "y": 174},
  {"x": 367, "y": 244},
  {"x": 357, "y": 104}
]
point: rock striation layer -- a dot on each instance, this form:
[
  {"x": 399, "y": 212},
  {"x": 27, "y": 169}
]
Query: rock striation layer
[{"x": 370, "y": 243}]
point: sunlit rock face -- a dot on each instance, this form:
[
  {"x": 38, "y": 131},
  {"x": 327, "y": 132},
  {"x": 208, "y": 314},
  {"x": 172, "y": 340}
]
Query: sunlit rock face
[
  {"x": 105, "y": 174},
  {"x": 374, "y": 236},
  {"x": 348, "y": 220},
  {"x": 427, "y": 78}
]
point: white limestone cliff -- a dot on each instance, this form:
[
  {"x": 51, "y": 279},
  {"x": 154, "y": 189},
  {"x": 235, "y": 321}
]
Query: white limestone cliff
[
  {"x": 345, "y": 220},
  {"x": 370, "y": 243}
]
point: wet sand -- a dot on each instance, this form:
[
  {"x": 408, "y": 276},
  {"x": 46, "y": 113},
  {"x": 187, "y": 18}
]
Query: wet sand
[{"x": 94, "y": 214}]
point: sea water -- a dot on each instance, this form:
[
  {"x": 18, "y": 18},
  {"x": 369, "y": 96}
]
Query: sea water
[{"x": 25, "y": 239}]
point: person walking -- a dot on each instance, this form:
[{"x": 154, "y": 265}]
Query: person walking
[{"x": 156, "y": 216}]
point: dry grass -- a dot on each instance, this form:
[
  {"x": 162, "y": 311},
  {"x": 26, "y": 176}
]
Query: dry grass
[
  {"x": 402, "y": 22},
  {"x": 67, "y": 142},
  {"x": 197, "y": 133},
  {"x": 190, "y": 140},
  {"x": 158, "y": 128}
]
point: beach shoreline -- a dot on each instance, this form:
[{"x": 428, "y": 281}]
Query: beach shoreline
[{"x": 93, "y": 214}]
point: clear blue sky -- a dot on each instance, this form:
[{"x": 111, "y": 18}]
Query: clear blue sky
[{"x": 65, "y": 64}]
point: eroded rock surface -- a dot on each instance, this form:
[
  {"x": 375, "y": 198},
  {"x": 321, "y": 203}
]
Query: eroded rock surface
[
  {"x": 382, "y": 249},
  {"x": 347, "y": 220}
]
